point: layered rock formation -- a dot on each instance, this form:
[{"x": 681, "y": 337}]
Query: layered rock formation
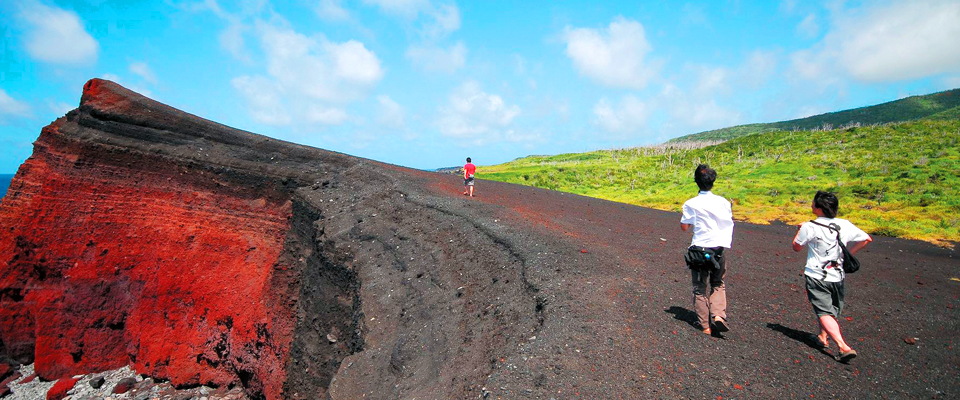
[{"x": 137, "y": 233}]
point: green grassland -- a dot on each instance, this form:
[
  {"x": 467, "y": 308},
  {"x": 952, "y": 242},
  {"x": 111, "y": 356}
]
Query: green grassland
[
  {"x": 907, "y": 109},
  {"x": 897, "y": 179}
]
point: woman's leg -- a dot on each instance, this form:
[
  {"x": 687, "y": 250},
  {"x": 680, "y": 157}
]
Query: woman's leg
[
  {"x": 829, "y": 324},
  {"x": 824, "y": 337}
]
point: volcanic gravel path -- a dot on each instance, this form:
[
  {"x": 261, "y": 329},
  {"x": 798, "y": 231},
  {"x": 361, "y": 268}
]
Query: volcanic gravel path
[{"x": 618, "y": 320}]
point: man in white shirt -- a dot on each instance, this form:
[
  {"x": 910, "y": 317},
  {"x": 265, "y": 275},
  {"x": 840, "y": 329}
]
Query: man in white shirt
[{"x": 711, "y": 218}]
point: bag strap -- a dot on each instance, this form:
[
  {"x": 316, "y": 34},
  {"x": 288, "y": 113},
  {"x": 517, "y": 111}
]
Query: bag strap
[{"x": 843, "y": 249}]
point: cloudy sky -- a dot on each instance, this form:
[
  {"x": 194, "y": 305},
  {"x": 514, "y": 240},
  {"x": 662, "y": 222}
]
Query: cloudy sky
[{"x": 426, "y": 83}]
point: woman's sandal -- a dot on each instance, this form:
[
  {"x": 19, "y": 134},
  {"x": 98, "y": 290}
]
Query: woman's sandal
[
  {"x": 824, "y": 344},
  {"x": 846, "y": 356}
]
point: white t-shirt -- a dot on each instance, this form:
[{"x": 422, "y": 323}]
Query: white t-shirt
[
  {"x": 822, "y": 246},
  {"x": 712, "y": 220}
]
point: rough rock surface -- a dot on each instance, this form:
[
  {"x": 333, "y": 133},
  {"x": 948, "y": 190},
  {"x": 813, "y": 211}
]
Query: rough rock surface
[
  {"x": 59, "y": 389},
  {"x": 202, "y": 255}
]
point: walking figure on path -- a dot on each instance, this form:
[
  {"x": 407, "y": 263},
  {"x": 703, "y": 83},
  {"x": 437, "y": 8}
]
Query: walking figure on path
[
  {"x": 711, "y": 218},
  {"x": 823, "y": 272},
  {"x": 468, "y": 171}
]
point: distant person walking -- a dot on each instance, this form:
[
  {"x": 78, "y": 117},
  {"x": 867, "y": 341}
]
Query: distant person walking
[
  {"x": 468, "y": 171},
  {"x": 823, "y": 272},
  {"x": 711, "y": 218}
]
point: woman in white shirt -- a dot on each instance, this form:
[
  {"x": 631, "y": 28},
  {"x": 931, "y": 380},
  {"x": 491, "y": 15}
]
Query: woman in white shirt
[{"x": 824, "y": 269}]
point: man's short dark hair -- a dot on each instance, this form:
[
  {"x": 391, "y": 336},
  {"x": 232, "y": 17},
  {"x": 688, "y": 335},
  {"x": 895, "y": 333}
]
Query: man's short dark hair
[
  {"x": 826, "y": 202},
  {"x": 468, "y": 159},
  {"x": 704, "y": 176}
]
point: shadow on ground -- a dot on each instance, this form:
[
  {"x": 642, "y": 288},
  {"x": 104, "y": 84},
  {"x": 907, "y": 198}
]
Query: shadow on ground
[{"x": 804, "y": 337}]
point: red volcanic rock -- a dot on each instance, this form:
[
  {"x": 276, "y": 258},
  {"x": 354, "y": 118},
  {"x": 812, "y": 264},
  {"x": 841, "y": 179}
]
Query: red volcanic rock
[
  {"x": 5, "y": 370},
  {"x": 124, "y": 385},
  {"x": 11, "y": 378},
  {"x": 60, "y": 389},
  {"x": 113, "y": 254}
]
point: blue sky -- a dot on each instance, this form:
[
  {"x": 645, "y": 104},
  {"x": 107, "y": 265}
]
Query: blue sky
[{"x": 425, "y": 83}]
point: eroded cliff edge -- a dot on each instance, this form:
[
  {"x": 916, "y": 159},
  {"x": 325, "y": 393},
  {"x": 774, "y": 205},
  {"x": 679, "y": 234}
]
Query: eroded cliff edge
[{"x": 140, "y": 234}]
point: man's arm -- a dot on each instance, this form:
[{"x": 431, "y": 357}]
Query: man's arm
[{"x": 685, "y": 227}]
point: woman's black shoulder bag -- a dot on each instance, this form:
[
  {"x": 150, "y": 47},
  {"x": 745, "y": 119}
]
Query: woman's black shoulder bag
[{"x": 850, "y": 263}]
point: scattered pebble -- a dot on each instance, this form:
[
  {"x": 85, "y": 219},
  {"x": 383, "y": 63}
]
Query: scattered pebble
[{"x": 910, "y": 340}]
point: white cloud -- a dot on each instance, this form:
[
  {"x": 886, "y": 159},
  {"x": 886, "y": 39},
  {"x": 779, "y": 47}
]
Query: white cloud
[
  {"x": 406, "y": 8},
  {"x": 692, "y": 15},
  {"x": 787, "y": 6},
  {"x": 309, "y": 79},
  {"x": 12, "y": 107},
  {"x": 809, "y": 27},
  {"x": 390, "y": 113},
  {"x": 692, "y": 112},
  {"x": 711, "y": 81},
  {"x": 613, "y": 57},
  {"x": 143, "y": 70},
  {"x": 57, "y": 36},
  {"x": 122, "y": 82},
  {"x": 59, "y": 107},
  {"x": 331, "y": 10},
  {"x": 951, "y": 82},
  {"x": 445, "y": 19},
  {"x": 758, "y": 68},
  {"x": 324, "y": 115},
  {"x": 231, "y": 39},
  {"x": 437, "y": 59},
  {"x": 264, "y": 98},
  {"x": 708, "y": 115},
  {"x": 889, "y": 42},
  {"x": 318, "y": 68},
  {"x": 629, "y": 115},
  {"x": 474, "y": 114}
]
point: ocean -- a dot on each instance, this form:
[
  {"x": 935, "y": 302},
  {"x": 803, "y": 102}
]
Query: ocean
[{"x": 4, "y": 184}]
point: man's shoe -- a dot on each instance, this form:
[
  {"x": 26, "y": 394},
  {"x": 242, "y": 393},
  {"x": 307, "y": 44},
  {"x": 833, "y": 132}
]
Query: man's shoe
[
  {"x": 720, "y": 324},
  {"x": 707, "y": 331}
]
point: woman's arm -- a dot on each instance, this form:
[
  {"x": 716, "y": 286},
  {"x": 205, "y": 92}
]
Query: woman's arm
[
  {"x": 797, "y": 246},
  {"x": 858, "y": 245}
]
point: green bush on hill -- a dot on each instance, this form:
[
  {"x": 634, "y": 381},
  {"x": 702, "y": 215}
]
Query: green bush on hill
[{"x": 893, "y": 180}]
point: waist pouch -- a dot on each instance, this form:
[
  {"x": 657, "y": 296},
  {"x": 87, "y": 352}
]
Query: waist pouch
[{"x": 701, "y": 258}]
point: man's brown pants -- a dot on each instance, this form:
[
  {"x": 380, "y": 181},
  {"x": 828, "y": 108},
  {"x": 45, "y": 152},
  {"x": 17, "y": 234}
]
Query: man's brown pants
[{"x": 714, "y": 303}]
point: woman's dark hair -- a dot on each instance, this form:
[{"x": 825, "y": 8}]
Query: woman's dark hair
[
  {"x": 826, "y": 202},
  {"x": 704, "y": 176}
]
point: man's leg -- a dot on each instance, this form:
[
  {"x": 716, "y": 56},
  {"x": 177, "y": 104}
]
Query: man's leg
[
  {"x": 700, "y": 302},
  {"x": 471, "y": 190},
  {"x": 718, "y": 291}
]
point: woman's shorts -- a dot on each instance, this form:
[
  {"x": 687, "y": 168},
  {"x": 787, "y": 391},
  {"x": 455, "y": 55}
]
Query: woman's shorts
[{"x": 826, "y": 297}]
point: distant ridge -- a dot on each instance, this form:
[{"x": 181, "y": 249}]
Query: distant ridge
[{"x": 941, "y": 105}]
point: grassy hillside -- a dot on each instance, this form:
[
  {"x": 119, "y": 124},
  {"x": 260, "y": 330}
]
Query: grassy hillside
[
  {"x": 908, "y": 109},
  {"x": 893, "y": 180}
]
